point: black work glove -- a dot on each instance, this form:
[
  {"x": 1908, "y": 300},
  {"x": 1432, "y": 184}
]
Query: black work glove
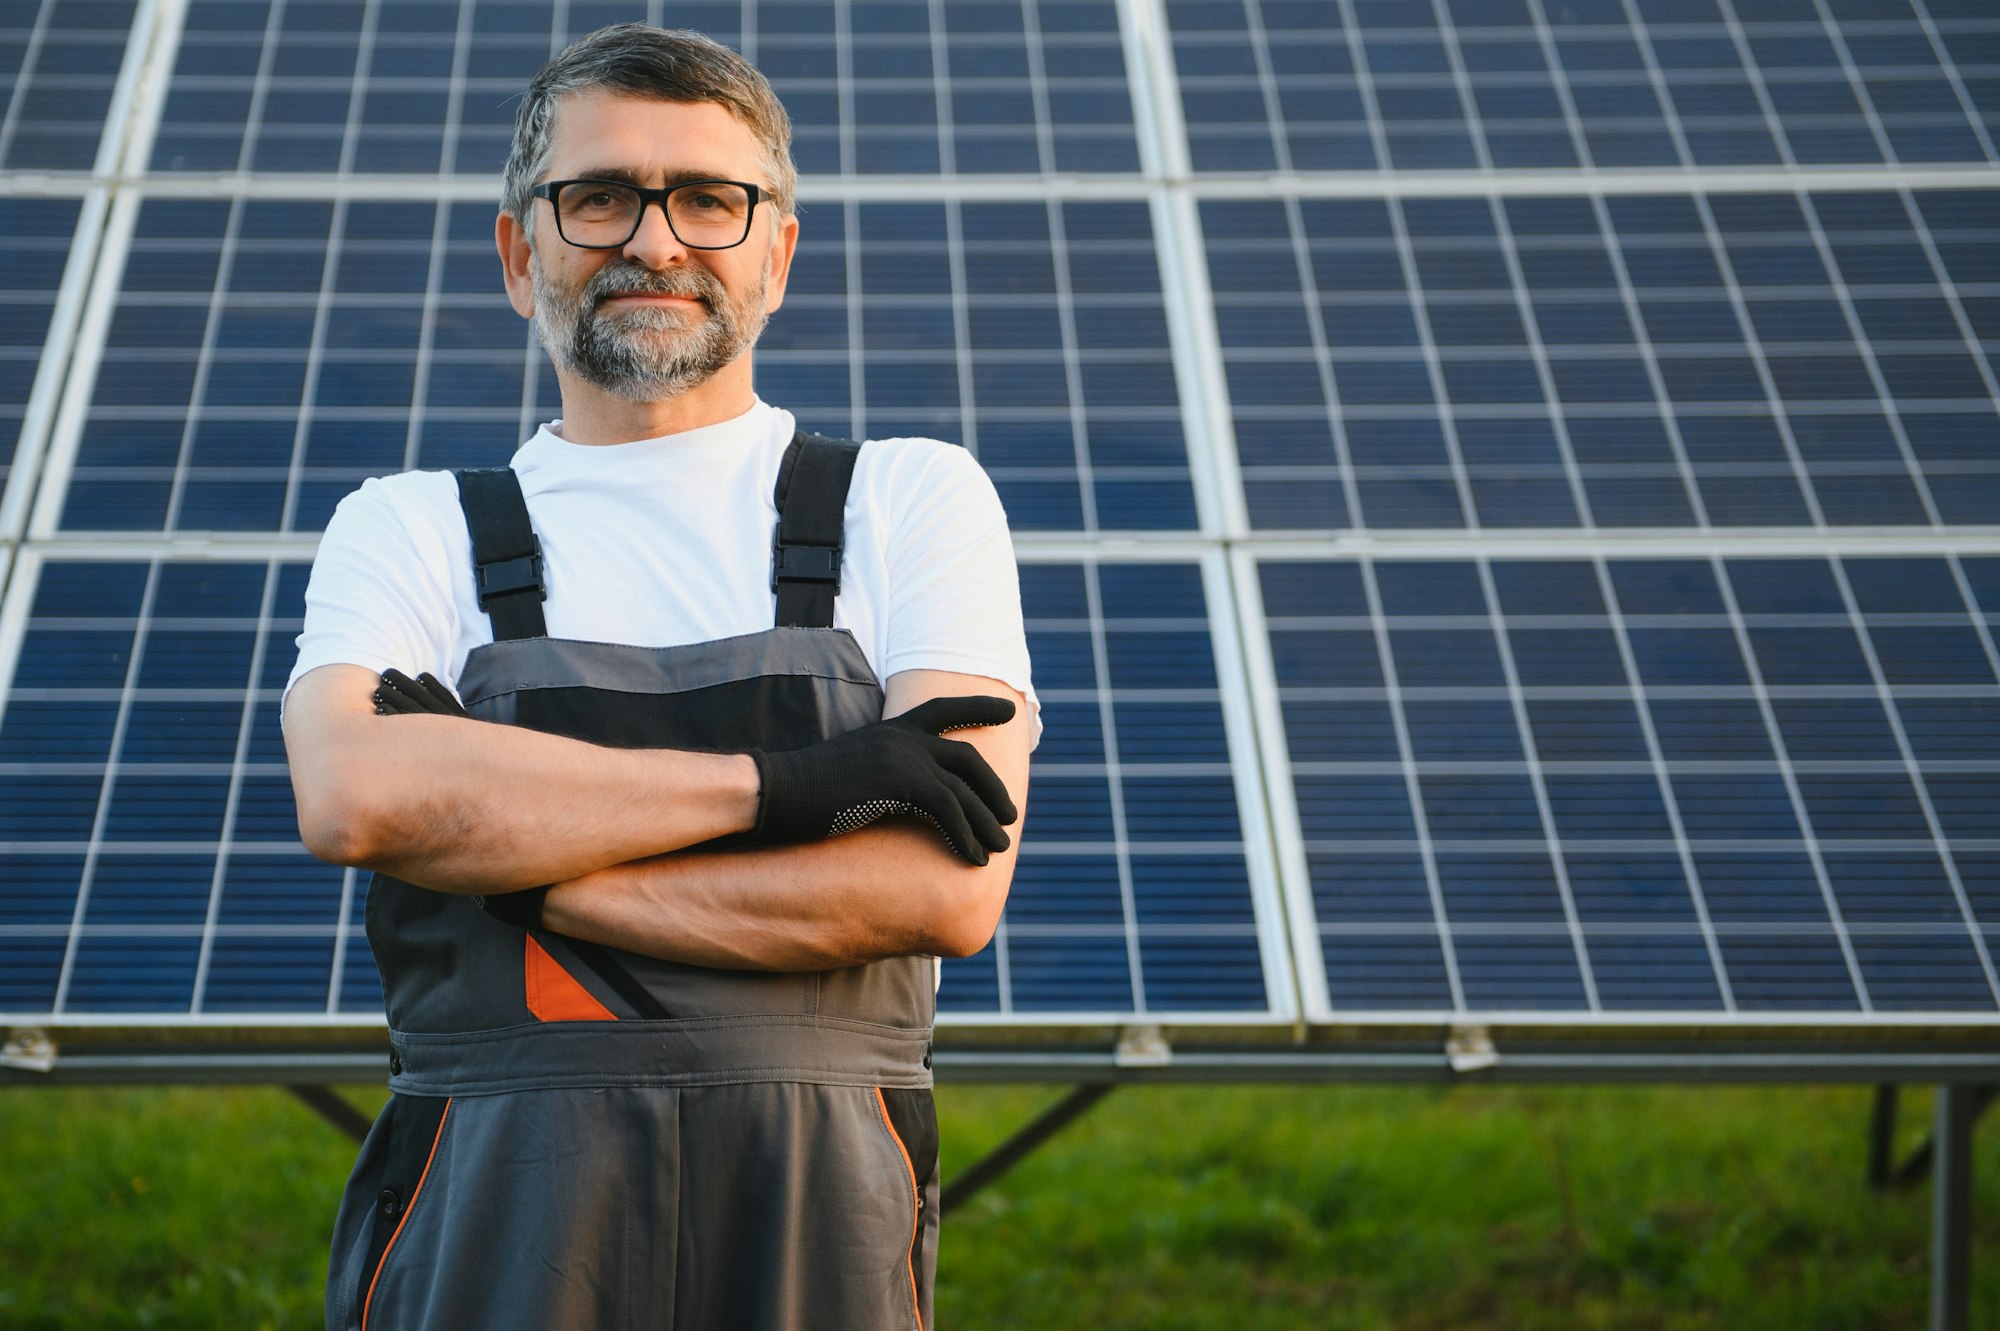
[
  {"x": 399, "y": 695},
  {"x": 898, "y": 766}
]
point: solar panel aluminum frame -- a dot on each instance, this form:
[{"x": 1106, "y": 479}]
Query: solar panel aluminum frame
[{"x": 1627, "y": 1038}]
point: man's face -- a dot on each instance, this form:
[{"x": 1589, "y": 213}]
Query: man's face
[{"x": 653, "y": 319}]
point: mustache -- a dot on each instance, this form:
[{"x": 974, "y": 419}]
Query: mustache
[{"x": 627, "y": 278}]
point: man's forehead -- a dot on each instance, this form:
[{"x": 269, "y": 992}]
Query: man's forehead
[{"x": 601, "y": 126}]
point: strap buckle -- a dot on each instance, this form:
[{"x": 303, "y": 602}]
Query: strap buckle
[
  {"x": 504, "y": 577},
  {"x": 805, "y": 563}
]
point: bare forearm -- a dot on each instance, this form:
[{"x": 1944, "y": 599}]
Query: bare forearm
[
  {"x": 462, "y": 805},
  {"x": 890, "y": 890}
]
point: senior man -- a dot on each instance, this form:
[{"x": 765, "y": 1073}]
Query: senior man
[{"x": 642, "y": 736}]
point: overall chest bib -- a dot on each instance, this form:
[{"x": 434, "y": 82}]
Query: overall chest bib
[{"x": 585, "y": 1136}]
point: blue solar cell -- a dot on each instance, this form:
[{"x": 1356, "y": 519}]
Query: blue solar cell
[
  {"x": 268, "y": 973},
  {"x": 1656, "y": 971},
  {"x": 1519, "y": 971},
  {"x": 1377, "y": 971},
  {"x": 1070, "y": 971},
  {"x": 1737, "y": 806},
  {"x": 1790, "y": 971},
  {"x": 1481, "y": 730},
  {"x": 1608, "y": 805},
  {"x": 1352, "y": 887},
  {"x": 139, "y": 972},
  {"x": 1923, "y": 971}
]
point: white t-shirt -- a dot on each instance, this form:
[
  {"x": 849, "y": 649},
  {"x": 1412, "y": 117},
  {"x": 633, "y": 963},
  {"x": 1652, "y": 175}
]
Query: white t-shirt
[{"x": 668, "y": 541}]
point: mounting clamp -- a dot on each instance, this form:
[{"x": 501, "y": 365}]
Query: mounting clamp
[
  {"x": 28, "y": 1049},
  {"x": 1142, "y": 1047},
  {"x": 1470, "y": 1049}
]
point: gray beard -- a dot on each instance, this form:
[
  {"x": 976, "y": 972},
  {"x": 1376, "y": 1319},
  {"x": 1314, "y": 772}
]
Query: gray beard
[{"x": 645, "y": 354}]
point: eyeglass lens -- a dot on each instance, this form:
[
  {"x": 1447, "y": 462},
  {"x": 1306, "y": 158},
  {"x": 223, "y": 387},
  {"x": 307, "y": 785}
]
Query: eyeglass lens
[{"x": 711, "y": 215}]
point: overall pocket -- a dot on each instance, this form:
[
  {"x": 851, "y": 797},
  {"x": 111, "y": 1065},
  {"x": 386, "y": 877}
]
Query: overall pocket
[
  {"x": 414, "y": 1134},
  {"x": 911, "y": 1119}
]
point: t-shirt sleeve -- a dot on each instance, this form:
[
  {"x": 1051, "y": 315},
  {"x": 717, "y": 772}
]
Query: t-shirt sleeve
[
  {"x": 954, "y": 591},
  {"x": 376, "y": 597}
]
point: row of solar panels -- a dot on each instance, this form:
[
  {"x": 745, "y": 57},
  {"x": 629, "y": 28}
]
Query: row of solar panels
[
  {"x": 1587, "y": 789},
  {"x": 908, "y": 86},
  {"x": 1822, "y": 358}
]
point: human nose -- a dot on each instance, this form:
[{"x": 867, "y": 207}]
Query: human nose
[{"x": 654, "y": 242}]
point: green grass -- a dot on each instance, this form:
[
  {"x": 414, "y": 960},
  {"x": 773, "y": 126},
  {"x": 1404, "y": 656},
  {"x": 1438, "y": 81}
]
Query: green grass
[{"x": 1166, "y": 1207}]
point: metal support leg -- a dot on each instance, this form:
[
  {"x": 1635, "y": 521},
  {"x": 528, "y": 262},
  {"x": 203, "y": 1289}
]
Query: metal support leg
[
  {"x": 330, "y": 1105},
  {"x": 1010, "y": 1152},
  {"x": 1951, "y": 1207},
  {"x": 1882, "y": 1138}
]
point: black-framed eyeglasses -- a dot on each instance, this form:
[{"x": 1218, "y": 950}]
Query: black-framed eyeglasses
[{"x": 604, "y": 214}]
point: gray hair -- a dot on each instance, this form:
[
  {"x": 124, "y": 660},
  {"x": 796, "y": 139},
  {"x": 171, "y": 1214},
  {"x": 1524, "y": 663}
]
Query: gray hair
[{"x": 661, "y": 65}]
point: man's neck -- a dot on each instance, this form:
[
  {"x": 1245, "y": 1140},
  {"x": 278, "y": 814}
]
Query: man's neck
[{"x": 593, "y": 416}]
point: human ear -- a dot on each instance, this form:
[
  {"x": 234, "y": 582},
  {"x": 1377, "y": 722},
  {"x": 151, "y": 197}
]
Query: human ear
[{"x": 516, "y": 248}]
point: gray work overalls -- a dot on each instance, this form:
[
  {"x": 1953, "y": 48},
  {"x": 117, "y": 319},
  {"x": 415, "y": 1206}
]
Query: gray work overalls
[{"x": 582, "y": 1137}]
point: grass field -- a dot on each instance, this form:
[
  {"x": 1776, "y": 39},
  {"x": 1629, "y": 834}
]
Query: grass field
[{"x": 1167, "y": 1207}]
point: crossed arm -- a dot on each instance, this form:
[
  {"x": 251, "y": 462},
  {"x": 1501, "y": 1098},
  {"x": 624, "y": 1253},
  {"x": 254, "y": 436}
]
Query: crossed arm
[{"x": 465, "y": 806}]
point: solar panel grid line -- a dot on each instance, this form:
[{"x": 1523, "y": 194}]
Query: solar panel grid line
[
  {"x": 204, "y": 362},
  {"x": 1670, "y": 798},
  {"x": 1538, "y": 783},
  {"x": 1649, "y": 358},
  {"x": 857, "y": 368},
  {"x": 1038, "y": 86},
  {"x": 1870, "y": 113},
  {"x": 1789, "y": 775},
  {"x": 843, "y": 57},
  {"x": 1952, "y": 76},
  {"x": 37, "y": 34},
  {"x": 1670, "y": 111},
  {"x": 1323, "y": 356},
  {"x": 1865, "y": 345},
  {"x": 1364, "y": 84},
  {"x": 1759, "y": 358},
  {"x": 51, "y": 370},
  {"x": 314, "y": 358},
  {"x": 1918, "y": 784},
  {"x": 1947, "y": 287},
  {"x": 961, "y": 329},
  {"x": 1386, "y": 663},
  {"x": 239, "y": 762},
  {"x": 1434, "y": 367},
  {"x": 947, "y": 123},
  {"x": 1120, "y": 828},
  {"x": 99, "y": 817},
  {"x": 1072, "y": 361},
  {"x": 1538, "y": 350},
  {"x": 97, "y": 295},
  {"x": 1612, "y": 182}
]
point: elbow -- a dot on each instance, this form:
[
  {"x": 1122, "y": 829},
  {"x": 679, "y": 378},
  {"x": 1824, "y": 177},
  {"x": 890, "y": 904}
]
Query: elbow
[
  {"x": 339, "y": 824},
  {"x": 964, "y": 922}
]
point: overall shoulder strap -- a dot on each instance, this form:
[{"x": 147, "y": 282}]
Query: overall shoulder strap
[
  {"x": 805, "y": 553},
  {"x": 506, "y": 554}
]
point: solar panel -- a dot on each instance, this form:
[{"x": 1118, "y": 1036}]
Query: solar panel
[
  {"x": 1721, "y": 360},
  {"x": 1613, "y": 786},
  {"x": 39, "y": 233},
  {"x": 59, "y": 62},
  {"x": 266, "y": 355},
  {"x": 1415, "y": 85},
  {"x": 429, "y": 86},
  {"x": 1502, "y": 484},
  {"x": 150, "y": 844}
]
